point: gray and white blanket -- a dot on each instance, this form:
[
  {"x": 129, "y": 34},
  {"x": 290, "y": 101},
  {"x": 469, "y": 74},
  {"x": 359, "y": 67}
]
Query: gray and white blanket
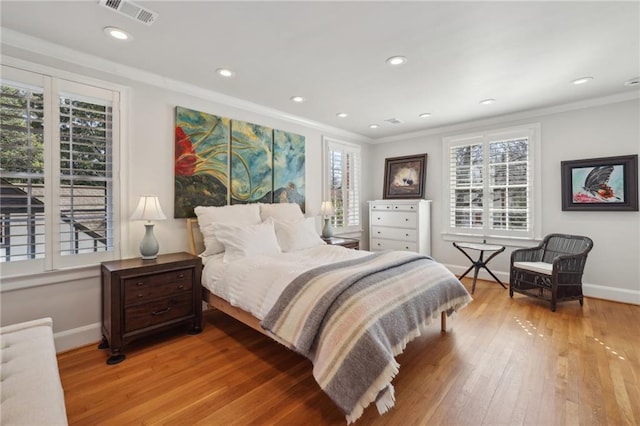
[{"x": 351, "y": 319}]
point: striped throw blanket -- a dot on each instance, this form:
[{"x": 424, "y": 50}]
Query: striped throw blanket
[{"x": 352, "y": 318}]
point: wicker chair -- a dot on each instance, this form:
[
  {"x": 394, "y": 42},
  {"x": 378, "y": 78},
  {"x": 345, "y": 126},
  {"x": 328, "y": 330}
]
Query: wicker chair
[{"x": 552, "y": 270}]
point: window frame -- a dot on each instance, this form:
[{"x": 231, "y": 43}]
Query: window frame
[
  {"x": 54, "y": 83},
  {"x": 332, "y": 144},
  {"x": 506, "y": 237}
]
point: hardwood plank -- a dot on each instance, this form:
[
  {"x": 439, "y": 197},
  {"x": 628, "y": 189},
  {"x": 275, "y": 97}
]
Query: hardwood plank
[{"x": 502, "y": 361}]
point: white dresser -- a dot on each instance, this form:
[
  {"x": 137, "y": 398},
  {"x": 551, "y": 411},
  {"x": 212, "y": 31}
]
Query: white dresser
[{"x": 400, "y": 225}]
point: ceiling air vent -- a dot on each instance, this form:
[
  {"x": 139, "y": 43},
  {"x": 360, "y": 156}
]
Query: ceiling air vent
[
  {"x": 393, "y": 121},
  {"x": 131, "y": 10}
]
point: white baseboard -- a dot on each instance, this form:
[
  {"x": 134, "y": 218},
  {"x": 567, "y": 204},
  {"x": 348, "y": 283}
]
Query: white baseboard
[
  {"x": 77, "y": 337},
  {"x": 614, "y": 294}
]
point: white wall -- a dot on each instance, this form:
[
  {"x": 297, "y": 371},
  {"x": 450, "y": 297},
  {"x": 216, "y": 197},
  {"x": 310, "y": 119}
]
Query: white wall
[
  {"x": 73, "y": 300},
  {"x": 613, "y": 267}
]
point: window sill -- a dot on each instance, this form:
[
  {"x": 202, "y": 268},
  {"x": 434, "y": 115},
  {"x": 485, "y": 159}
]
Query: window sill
[
  {"x": 23, "y": 281},
  {"x": 502, "y": 241}
]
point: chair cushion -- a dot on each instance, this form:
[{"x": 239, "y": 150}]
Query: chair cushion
[{"x": 539, "y": 267}]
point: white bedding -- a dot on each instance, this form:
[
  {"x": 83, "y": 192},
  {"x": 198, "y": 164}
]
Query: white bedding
[{"x": 254, "y": 283}]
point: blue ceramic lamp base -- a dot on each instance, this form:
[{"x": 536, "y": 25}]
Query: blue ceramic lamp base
[{"x": 149, "y": 246}]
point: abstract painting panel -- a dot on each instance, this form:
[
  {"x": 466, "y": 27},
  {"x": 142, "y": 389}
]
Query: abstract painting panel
[
  {"x": 201, "y": 158},
  {"x": 251, "y": 163},
  {"x": 288, "y": 168}
]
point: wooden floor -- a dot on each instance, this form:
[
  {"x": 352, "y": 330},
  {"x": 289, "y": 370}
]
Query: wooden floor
[{"x": 502, "y": 362}]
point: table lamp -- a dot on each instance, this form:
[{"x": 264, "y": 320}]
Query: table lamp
[
  {"x": 148, "y": 209},
  {"x": 327, "y": 210}
]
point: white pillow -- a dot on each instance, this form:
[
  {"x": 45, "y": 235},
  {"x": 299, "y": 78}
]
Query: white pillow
[
  {"x": 298, "y": 235},
  {"x": 285, "y": 212},
  {"x": 248, "y": 240},
  {"x": 209, "y": 217}
]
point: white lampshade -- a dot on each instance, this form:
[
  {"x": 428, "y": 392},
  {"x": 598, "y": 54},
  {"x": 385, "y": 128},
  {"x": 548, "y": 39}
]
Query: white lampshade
[
  {"x": 148, "y": 209},
  {"x": 326, "y": 209}
]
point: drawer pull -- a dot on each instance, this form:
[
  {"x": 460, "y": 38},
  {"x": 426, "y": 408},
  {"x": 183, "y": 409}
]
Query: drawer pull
[
  {"x": 140, "y": 295},
  {"x": 406, "y": 235},
  {"x": 140, "y": 283},
  {"x": 180, "y": 286},
  {"x": 378, "y": 232},
  {"x": 395, "y": 207},
  {"x": 406, "y": 220},
  {"x": 160, "y": 312},
  {"x": 387, "y": 206},
  {"x": 181, "y": 275},
  {"x": 379, "y": 244}
]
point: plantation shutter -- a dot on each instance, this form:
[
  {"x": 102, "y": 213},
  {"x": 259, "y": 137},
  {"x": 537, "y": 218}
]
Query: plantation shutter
[
  {"x": 58, "y": 145},
  {"x": 490, "y": 183},
  {"x": 343, "y": 181},
  {"x": 86, "y": 179},
  {"x": 466, "y": 166},
  {"x": 22, "y": 174},
  {"x": 508, "y": 184}
]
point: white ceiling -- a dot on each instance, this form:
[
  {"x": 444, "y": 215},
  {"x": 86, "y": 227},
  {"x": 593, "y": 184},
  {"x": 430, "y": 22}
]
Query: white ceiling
[{"x": 523, "y": 54}]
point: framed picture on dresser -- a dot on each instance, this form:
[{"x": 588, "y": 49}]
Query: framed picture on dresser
[{"x": 405, "y": 177}]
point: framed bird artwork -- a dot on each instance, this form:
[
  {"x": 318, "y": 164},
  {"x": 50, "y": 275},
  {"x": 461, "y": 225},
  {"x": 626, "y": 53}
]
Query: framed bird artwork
[{"x": 600, "y": 184}]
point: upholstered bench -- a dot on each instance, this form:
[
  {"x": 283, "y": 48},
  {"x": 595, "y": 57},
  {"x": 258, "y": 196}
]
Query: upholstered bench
[{"x": 31, "y": 392}]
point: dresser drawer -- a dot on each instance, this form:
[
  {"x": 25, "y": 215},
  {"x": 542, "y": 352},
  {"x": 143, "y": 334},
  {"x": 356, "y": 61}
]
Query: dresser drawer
[
  {"x": 394, "y": 207},
  {"x": 157, "y": 285},
  {"x": 394, "y": 233},
  {"x": 379, "y": 245},
  {"x": 160, "y": 311},
  {"x": 398, "y": 219}
]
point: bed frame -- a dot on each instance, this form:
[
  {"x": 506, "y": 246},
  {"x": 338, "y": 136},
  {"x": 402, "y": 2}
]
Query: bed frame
[{"x": 196, "y": 246}]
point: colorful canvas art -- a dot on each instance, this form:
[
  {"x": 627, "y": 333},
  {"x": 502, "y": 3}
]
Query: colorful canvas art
[
  {"x": 600, "y": 184},
  {"x": 251, "y": 163},
  {"x": 288, "y": 168},
  {"x": 219, "y": 161},
  {"x": 201, "y": 158}
]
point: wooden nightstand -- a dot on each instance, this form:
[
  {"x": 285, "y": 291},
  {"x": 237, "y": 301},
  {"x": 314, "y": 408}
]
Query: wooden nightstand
[
  {"x": 143, "y": 297},
  {"x": 351, "y": 243}
]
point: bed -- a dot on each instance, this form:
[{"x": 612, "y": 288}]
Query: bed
[{"x": 349, "y": 311}]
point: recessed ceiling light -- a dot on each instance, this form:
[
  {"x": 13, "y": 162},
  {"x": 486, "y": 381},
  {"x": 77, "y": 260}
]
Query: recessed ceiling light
[
  {"x": 342, "y": 114},
  {"x": 397, "y": 60},
  {"x": 117, "y": 33},
  {"x": 297, "y": 99},
  {"x": 633, "y": 82},
  {"x": 425, "y": 115},
  {"x": 487, "y": 101},
  {"x": 373, "y": 126},
  {"x": 582, "y": 80},
  {"x": 225, "y": 72}
]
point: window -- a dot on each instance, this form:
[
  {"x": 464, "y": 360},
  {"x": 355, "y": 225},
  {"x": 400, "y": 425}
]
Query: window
[
  {"x": 492, "y": 181},
  {"x": 57, "y": 168},
  {"x": 342, "y": 183}
]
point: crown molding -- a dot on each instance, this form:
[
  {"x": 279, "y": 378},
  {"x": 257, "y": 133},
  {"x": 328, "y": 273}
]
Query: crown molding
[
  {"x": 589, "y": 103},
  {"x": 55, "y": 51}
]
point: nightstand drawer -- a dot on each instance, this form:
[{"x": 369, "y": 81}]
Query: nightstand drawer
[
  {"x": 141, "y": 316},
  {"x": 157, "y": 285}
]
